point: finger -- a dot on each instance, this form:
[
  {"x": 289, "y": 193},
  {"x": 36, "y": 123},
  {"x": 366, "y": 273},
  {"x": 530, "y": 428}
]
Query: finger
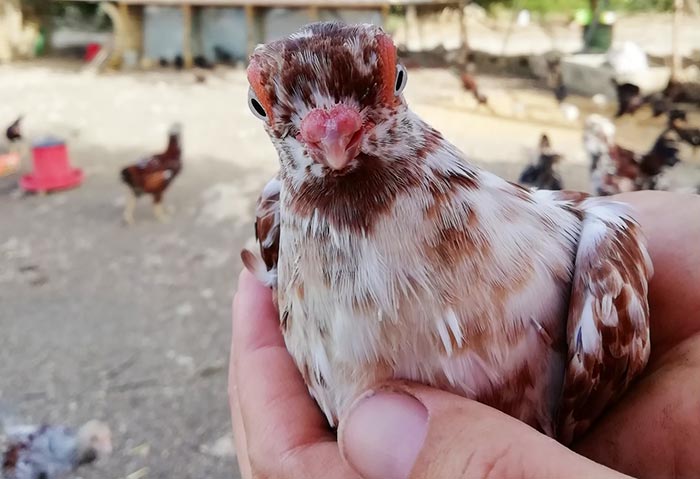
[
  {"x": 656, "y": 428},
  {"x": 237, "y": 421},
  {"x": 284, "y": 428},
  {"x": 412, "y": 431},
  {"x": 669, "y": 221}
]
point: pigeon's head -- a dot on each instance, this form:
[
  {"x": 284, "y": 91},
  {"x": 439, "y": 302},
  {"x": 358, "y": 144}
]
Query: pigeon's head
[
  {"x": 330, "y": 97},
  {"x": 94, "y": 441}
]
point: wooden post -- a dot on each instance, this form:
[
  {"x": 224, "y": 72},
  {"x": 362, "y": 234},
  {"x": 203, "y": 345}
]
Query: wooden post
[
  {"x": 412, "y": 24},
  {"x": 187, "y": 35},
  {"x": 385, "y": 14},
  {"x": 463, "y": 34},
  {"x": 313, "y": 13},
  {"x": 676, "y": 63},
  {"x": 251, "y": 27}
]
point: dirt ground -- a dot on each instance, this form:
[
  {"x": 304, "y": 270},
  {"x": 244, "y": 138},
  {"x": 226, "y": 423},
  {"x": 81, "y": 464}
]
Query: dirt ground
[{"x": 132, "y": 324}]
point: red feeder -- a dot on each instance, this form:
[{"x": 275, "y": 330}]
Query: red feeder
[
  {"x": 91, "y": 51},
  {"x": 52, "y": 171}
]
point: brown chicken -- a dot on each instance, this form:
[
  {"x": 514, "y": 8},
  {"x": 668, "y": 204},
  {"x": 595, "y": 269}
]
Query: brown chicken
[
  {"x": 469, "y": 84},
  {"x": 153, "y": 175}
]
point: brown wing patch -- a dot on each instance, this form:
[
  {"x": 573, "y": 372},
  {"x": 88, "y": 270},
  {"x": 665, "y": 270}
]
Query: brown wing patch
[
  {"x": 154, "y": 181},
  {"x": 608, "y": 324},
  {"x": 267, "y": 235}
]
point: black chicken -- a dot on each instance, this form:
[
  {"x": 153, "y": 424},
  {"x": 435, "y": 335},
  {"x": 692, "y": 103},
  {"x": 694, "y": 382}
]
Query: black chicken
[
  {"x": 555, "y": 80},
  {"x": 629, "y": 98},
  {"x": 542, "y": 174},
  {"x": 223, "y": 55},
  {"x": 678, "y": 122},
  {"x": 13, "y": 132},
  {"x": 664, "y": 154}
]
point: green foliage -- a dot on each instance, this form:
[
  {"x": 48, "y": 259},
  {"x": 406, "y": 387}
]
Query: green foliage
[{"x": 569, "y": 6}]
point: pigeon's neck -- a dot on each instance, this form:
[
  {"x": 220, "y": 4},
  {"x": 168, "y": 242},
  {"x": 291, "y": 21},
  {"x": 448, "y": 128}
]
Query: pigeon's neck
[{"x": 361, "y": 197}]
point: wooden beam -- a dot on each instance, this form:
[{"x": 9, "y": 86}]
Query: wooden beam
[
  {"x": 313, "y": 13},
  {"x": 676, "y": 62},
  {"x": 463, "y": 33},
  {"x": 386, "y": 9},
  {"x": 412, "y": 24},
  {"x": 251, "y": 27},
  {"x": 187, "y": 35}
]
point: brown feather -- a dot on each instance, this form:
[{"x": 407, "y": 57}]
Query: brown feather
[{"x": 609, "y": 290}]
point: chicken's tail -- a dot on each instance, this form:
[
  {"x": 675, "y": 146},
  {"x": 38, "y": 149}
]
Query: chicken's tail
[
  {"x": 126, "y": 176},
  {"x": 257, "y": 267}
]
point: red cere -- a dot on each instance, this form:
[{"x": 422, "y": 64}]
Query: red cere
[
  {"x": 255, "y": 79},
  {"x": 341, "y": 119},
  {"x": 387, "y": 53}
]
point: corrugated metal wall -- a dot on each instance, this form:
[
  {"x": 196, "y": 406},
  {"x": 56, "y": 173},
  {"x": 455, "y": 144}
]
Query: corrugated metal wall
[
  {"x": 225, "y": 28},
  {"x": 162, "y": 32},
  {"x": 280, "y": 22}
]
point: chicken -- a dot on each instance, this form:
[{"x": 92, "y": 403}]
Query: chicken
[
  {"x": 674, "y": 92},
  {"x": 682, "y": 92},
  {"x": 53, "y": 452},
  {"x": 629, "y": 98},
  {"x": 398, "y": 258},
  {"x": 555, "y": 80},
  {"x": 469, "y": 84},
  {"x": 615, "y": 169},
  {"x": 542, "y": 174},
  {"x": 663, "y": 154},
  {"x": 678, "y": 123},
  {"x": 153, "y": 175},
  {"x": 13, "y": 132}
]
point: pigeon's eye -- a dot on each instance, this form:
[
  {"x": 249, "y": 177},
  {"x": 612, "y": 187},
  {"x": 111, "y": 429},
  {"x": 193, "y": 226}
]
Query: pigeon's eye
[
  {"x": 401, "y": 79},
  {"x": 255, "y": 105}
]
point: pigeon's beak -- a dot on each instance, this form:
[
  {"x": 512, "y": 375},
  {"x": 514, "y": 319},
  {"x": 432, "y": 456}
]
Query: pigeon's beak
[{"x": 332, "y": 137}]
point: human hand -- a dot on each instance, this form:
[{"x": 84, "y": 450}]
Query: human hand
[{"x": 404, "y": 430}]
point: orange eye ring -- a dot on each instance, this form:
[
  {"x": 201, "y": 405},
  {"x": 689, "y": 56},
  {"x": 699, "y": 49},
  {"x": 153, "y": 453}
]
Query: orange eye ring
[
  {"x": 388, "y": 57},
  {"x": 258, "y": 93}
]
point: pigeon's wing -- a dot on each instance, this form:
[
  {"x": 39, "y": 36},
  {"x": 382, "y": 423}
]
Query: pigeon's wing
[
  {"x": 608, "y": 323},
  {"x": 267, "y": 234}
]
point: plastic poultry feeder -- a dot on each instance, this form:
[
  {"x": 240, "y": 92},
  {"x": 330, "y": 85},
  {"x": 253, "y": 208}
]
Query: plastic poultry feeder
[
  {"x": 52, "y": 170},
  {"x": 91, "y": 51}
]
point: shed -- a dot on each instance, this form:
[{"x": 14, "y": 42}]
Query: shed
[{"x": 228, "y": 30}]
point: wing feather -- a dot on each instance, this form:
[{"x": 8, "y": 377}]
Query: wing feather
[
  {"x": 267, "y": 235},
  {"x": 608, "y": 323}
]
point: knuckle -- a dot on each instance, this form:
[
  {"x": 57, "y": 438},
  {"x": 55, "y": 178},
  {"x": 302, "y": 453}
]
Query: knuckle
[{"x": 493, "y": 463}]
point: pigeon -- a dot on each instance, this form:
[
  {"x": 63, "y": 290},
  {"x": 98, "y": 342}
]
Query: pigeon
[
  {"x": 390, "y": 255},
  {"x": 52, "y": 452}
]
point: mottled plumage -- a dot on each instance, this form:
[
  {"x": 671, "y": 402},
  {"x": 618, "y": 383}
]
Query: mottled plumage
[
  {"x": 52, "y": 452},
  {"x": 615, "y": 169},
  {"x": 398, "y": 258}
]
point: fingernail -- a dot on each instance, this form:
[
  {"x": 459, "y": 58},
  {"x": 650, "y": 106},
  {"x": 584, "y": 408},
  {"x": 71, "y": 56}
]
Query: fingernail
[{"x": 383, "y": 434}]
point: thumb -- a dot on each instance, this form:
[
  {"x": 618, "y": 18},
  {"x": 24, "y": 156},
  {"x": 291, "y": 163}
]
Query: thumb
[{"x": 402, "y": 431}]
